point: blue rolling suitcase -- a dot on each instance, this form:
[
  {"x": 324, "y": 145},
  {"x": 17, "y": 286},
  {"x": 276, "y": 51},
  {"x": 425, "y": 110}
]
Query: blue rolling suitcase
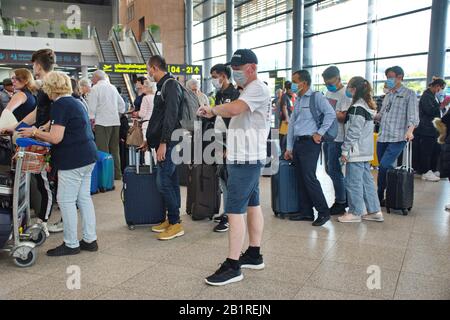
[
  {"x": 285, "y": 193},
  {"x": 94, "y": 180},
  {"x": 142, "y": 201},
  {"x": 105, "y": 166}
]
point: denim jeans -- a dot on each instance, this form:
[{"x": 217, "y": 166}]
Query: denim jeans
[
  {"x": 74, "y": 188},
  {"x": 387, "y": 152},
  {"x": 333, "y": 151},
  {"x": 306, "y": 156},
  {"x": 169, "y": 186},
  {"x": 361, "y": 192}
]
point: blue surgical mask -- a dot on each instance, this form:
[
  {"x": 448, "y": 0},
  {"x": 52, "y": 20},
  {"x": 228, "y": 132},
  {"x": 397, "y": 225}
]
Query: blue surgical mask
[
  {"x": 390, "y": 83},
  {"x": 240, "y": 78},
  {"x": 440, "y": 96},
  {"x": 348, "y": 94},
  {"x": 331, "y": 88},
  {"x": 294, "y": 87}
]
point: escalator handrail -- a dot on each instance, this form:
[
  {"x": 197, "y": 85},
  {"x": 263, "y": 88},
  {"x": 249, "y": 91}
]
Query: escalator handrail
[
  {"x": 133, "y": 37},
  {"x": 98, "y": 44},
  {"x": 153, "y": 42}
]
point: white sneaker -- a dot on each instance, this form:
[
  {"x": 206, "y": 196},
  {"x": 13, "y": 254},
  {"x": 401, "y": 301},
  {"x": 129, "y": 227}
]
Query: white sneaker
[
  {"x": 377, "y": 217},
  {"x": 45, "y": 228},
  {"x": 437, "y": 174},
  {"x": 447, "y": 207},
  {"x": 429, "y": 176},
  {"x": 349, "y": 218},
  {"x": 56, "y": 228}
]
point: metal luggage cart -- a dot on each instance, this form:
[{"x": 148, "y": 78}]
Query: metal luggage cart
[{"x": 25, "y": 237}]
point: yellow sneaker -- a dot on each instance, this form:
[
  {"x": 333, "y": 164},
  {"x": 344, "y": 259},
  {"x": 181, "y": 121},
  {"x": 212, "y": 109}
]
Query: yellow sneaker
[
  {"x": 172, "y": 232},
  {"x": 161, "y": 227}
]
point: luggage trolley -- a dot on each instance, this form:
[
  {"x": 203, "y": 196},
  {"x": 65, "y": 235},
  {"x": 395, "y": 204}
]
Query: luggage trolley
[{"x": 25, "y": 237}]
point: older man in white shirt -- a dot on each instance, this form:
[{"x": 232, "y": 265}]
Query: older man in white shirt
[{"x": 105, "y": 106}]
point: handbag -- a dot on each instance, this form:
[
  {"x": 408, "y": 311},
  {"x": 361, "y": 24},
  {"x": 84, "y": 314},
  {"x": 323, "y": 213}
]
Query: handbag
[{"x": 135, "y": 136}]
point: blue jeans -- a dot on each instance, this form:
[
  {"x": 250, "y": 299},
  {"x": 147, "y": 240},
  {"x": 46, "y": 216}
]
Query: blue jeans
[
  {"x": 169, "y": 186},
  {"x": 74, "y": 188},
  {"x": 306, "y": 156},
  {"x": 387, "y": 152},
  {"x": 333, "y": 151},
  {"x": 361, "y": 192}
]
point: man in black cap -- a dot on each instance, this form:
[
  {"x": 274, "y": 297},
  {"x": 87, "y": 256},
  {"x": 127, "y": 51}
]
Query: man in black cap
[
  {"x": 246, "y": 150},
  {"x": 6, "y": 94}
]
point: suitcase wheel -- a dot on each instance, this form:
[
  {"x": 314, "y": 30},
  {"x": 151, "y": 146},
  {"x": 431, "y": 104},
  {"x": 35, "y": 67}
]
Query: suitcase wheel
[
  {"x": 388, "y": 210},
  {"x": 405, "y": 212},
  {"x": 131, "y": 227}
]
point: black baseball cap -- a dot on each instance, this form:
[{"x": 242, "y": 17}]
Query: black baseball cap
[
  {"x": 7, "y": 82},
  {"x": 243, "y": 56}
]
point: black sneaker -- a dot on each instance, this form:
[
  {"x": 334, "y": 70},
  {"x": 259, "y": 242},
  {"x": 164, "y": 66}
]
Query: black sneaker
[
  {"x": 337, "y": 209},
  {"x": 223, "y": 225},
  {"x": 92, "y": 247},
  {"x": 63, "y": 250},
  {"x": 248, "y": 262},
  {"x": 225, "y": 275},
  {"x": 320, "y": 221},
  {"x": 218, "y": 219}
]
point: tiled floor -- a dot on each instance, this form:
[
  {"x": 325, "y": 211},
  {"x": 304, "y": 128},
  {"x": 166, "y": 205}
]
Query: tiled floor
[{"x": 412, "y": 254}]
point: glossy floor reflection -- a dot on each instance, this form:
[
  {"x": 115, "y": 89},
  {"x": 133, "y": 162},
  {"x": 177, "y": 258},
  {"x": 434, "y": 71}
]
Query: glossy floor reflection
[{"x": 410, "y": 253}]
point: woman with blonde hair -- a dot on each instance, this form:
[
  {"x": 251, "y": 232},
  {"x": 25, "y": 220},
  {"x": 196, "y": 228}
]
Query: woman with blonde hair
[
  {"x": 73, "y": 154},
  {"x": 23, "y": 102}
]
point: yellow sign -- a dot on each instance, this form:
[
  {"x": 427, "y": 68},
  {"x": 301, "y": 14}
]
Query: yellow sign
[
  {"x": 141, "y": 68},
  {"x": 135, "y": 68}
]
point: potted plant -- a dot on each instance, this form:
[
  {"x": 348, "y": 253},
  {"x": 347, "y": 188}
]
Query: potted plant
[
  {"x": 33, "y": 24},
  {"x": 155, "y": 30},
  {"x": 64, "y": 31},
  {"x": 118, "y": 29},
  {"x": 78, "y": 33},
  {"x": 21, "y": 28},
  {"x": 7, "y": 24},
  {"x": 51, "y": 27}
]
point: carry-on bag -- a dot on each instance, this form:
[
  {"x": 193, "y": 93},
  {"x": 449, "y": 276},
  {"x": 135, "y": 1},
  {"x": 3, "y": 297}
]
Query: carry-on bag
[{"x": 285, "y": 193}]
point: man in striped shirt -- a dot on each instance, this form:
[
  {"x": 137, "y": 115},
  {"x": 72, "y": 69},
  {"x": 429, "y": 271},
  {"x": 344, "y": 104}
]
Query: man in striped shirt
[{"x": 399, "y": 116}]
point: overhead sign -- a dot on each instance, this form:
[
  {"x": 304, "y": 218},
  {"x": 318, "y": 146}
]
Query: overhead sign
[
  {"x": 67, "y": 59},
  {"x": 135, "y": 68},
  {"x": 185, "y": 69},
  {"x": 141, "y": 68}
]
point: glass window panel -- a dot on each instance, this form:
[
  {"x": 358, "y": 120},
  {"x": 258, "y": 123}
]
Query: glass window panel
[
  {"x": 385, "y": 8},
  {"x": 328, "y": 17}
]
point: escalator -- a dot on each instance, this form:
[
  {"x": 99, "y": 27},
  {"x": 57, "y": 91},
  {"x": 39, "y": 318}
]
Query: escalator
[{"x": 109, "y": 51}]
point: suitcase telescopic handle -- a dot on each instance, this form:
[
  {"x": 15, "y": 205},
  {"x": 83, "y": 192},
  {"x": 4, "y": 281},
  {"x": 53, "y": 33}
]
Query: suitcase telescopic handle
[{"x": 407, "y": 157}]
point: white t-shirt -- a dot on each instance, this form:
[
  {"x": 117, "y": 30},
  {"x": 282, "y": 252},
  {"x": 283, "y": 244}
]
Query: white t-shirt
[
  {"x": 340, "y": 102},
  {"x": 248, "y": 132}
]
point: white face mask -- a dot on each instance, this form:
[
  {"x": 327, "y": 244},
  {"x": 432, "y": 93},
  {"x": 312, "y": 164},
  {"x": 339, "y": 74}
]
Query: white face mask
[
  {"x": 216, "y": 83},
  {"x": 240, "y": 77}
]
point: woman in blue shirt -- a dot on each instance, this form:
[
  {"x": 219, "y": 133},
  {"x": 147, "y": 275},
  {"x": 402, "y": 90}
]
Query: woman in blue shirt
[{"x": 73, "y": 154}]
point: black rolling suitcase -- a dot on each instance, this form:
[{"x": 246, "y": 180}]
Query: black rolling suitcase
[
  {"x": 142, "y": 201},
  {"x": 203, "y": 194},
  {"x": 400, "y": 185},
  {"x": 183, "y": 174}
]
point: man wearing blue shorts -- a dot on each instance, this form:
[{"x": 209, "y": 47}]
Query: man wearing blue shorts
[{"x": 246, "y": 149}]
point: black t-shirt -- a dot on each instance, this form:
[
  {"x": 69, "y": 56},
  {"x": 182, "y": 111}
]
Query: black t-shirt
[
  {"x": 138, "y": 102},
  {"x": 77, "y": 149},
  {"x": 44, "y": 105},
  {"x": 25, "y": 108},
  {"x": 228, "y": 95},
  {"x": 286, "y": 100}
]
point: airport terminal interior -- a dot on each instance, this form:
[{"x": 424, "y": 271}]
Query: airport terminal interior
[{"x": 404, "y": 257}]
